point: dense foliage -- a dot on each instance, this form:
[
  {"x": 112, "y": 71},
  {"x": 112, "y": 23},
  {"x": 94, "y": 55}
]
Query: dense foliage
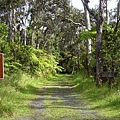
[
  {"x": 43, "y": 37},
  {"x": 39, "y": 35}
]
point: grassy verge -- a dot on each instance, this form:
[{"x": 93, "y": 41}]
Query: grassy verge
[
  {"x": 106, "y": 101},
  {"x": 15, "y": 94},
  {"x": 60, "y": 100},
  {"x": 18, "y": 91}
]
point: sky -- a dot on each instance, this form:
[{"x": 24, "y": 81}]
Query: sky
[{"x": 78, "y": 3}]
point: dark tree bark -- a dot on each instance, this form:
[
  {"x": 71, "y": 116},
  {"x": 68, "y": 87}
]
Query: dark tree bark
[
  {"x": 99, "y": 26},
  {"x": 88, "y": 42}
]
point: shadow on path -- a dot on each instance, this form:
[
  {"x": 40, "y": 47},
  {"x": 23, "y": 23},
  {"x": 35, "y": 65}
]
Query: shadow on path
[{"x": 58, "y": 101}]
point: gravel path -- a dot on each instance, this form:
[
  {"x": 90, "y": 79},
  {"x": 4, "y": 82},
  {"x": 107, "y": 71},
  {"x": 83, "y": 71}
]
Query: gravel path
[{"x": 58, "y": 101}]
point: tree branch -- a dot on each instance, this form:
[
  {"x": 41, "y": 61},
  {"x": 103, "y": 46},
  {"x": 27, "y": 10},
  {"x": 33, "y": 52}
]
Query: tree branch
[
  {"x": 85, "y": 4},
  {"x": 74, "y": 22}
]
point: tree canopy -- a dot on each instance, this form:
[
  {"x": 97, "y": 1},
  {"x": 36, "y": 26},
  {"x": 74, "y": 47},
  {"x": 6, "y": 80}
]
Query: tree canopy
[{"x": 33, "y": 29}]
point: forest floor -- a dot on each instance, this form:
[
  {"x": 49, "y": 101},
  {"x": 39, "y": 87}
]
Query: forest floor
[{"x": 59, "y": 101}]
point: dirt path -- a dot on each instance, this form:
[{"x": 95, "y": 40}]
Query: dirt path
[{"x": 58, "y": 101}]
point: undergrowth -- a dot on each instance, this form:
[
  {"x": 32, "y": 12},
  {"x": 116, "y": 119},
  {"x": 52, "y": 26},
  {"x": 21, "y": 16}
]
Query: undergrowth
[
  {"x": 20, "y": 89},
  {"x": 105, "y": 100},
  {"x": 15, "y": 94}
]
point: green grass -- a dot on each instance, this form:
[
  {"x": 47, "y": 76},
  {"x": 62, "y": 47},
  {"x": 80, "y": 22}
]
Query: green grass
[
  {"x": 16, "y": 93},
  {"x": 58, "y": 111},
  {"x": 105, "y": 100},
  {"x": 59, "y": 108}
]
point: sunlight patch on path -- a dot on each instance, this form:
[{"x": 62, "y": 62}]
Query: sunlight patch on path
[{"x": 59, "y": 101}]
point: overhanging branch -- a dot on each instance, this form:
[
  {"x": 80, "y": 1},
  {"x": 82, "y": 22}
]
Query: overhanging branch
[
  {"x": 70, "y": 20},
  {"x": 85, "y": 3}
]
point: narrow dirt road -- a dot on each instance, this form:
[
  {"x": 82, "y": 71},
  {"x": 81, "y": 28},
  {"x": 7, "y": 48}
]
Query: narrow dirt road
[{"x": 58, "y": 101}]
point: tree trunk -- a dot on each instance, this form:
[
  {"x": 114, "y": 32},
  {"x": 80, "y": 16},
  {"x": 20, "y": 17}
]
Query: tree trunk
[
  {"x": 99, "y": 27},
  {"x": 98, "y": 53},
  {"x": 10, "y": 24},
  {"x": 107, "y": 13},
  {"x": 88, "y": 42}
]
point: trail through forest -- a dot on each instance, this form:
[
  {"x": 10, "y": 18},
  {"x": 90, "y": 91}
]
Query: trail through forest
[{"x": 59, "y": 101}]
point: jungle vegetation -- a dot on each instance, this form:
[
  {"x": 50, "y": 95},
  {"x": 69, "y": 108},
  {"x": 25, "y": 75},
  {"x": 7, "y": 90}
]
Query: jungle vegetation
[{"x": 40, "y": 38}]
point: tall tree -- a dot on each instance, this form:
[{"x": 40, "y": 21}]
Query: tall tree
[
  {"x": 88, "y": 42},
  {"x": 99, "y": 27}
]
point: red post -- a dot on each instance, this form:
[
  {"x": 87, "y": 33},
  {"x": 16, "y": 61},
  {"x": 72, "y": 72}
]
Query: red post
[{"x": 1, "y": 66}]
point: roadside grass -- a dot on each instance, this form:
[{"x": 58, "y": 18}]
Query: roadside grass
[
  {"x": 105, "y": 100},
  {"x": 16, "y": 93},
  {"x": 58, "y": 108}
]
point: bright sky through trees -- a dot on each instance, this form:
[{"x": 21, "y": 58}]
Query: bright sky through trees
[{"x": 78, "y": 3}]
